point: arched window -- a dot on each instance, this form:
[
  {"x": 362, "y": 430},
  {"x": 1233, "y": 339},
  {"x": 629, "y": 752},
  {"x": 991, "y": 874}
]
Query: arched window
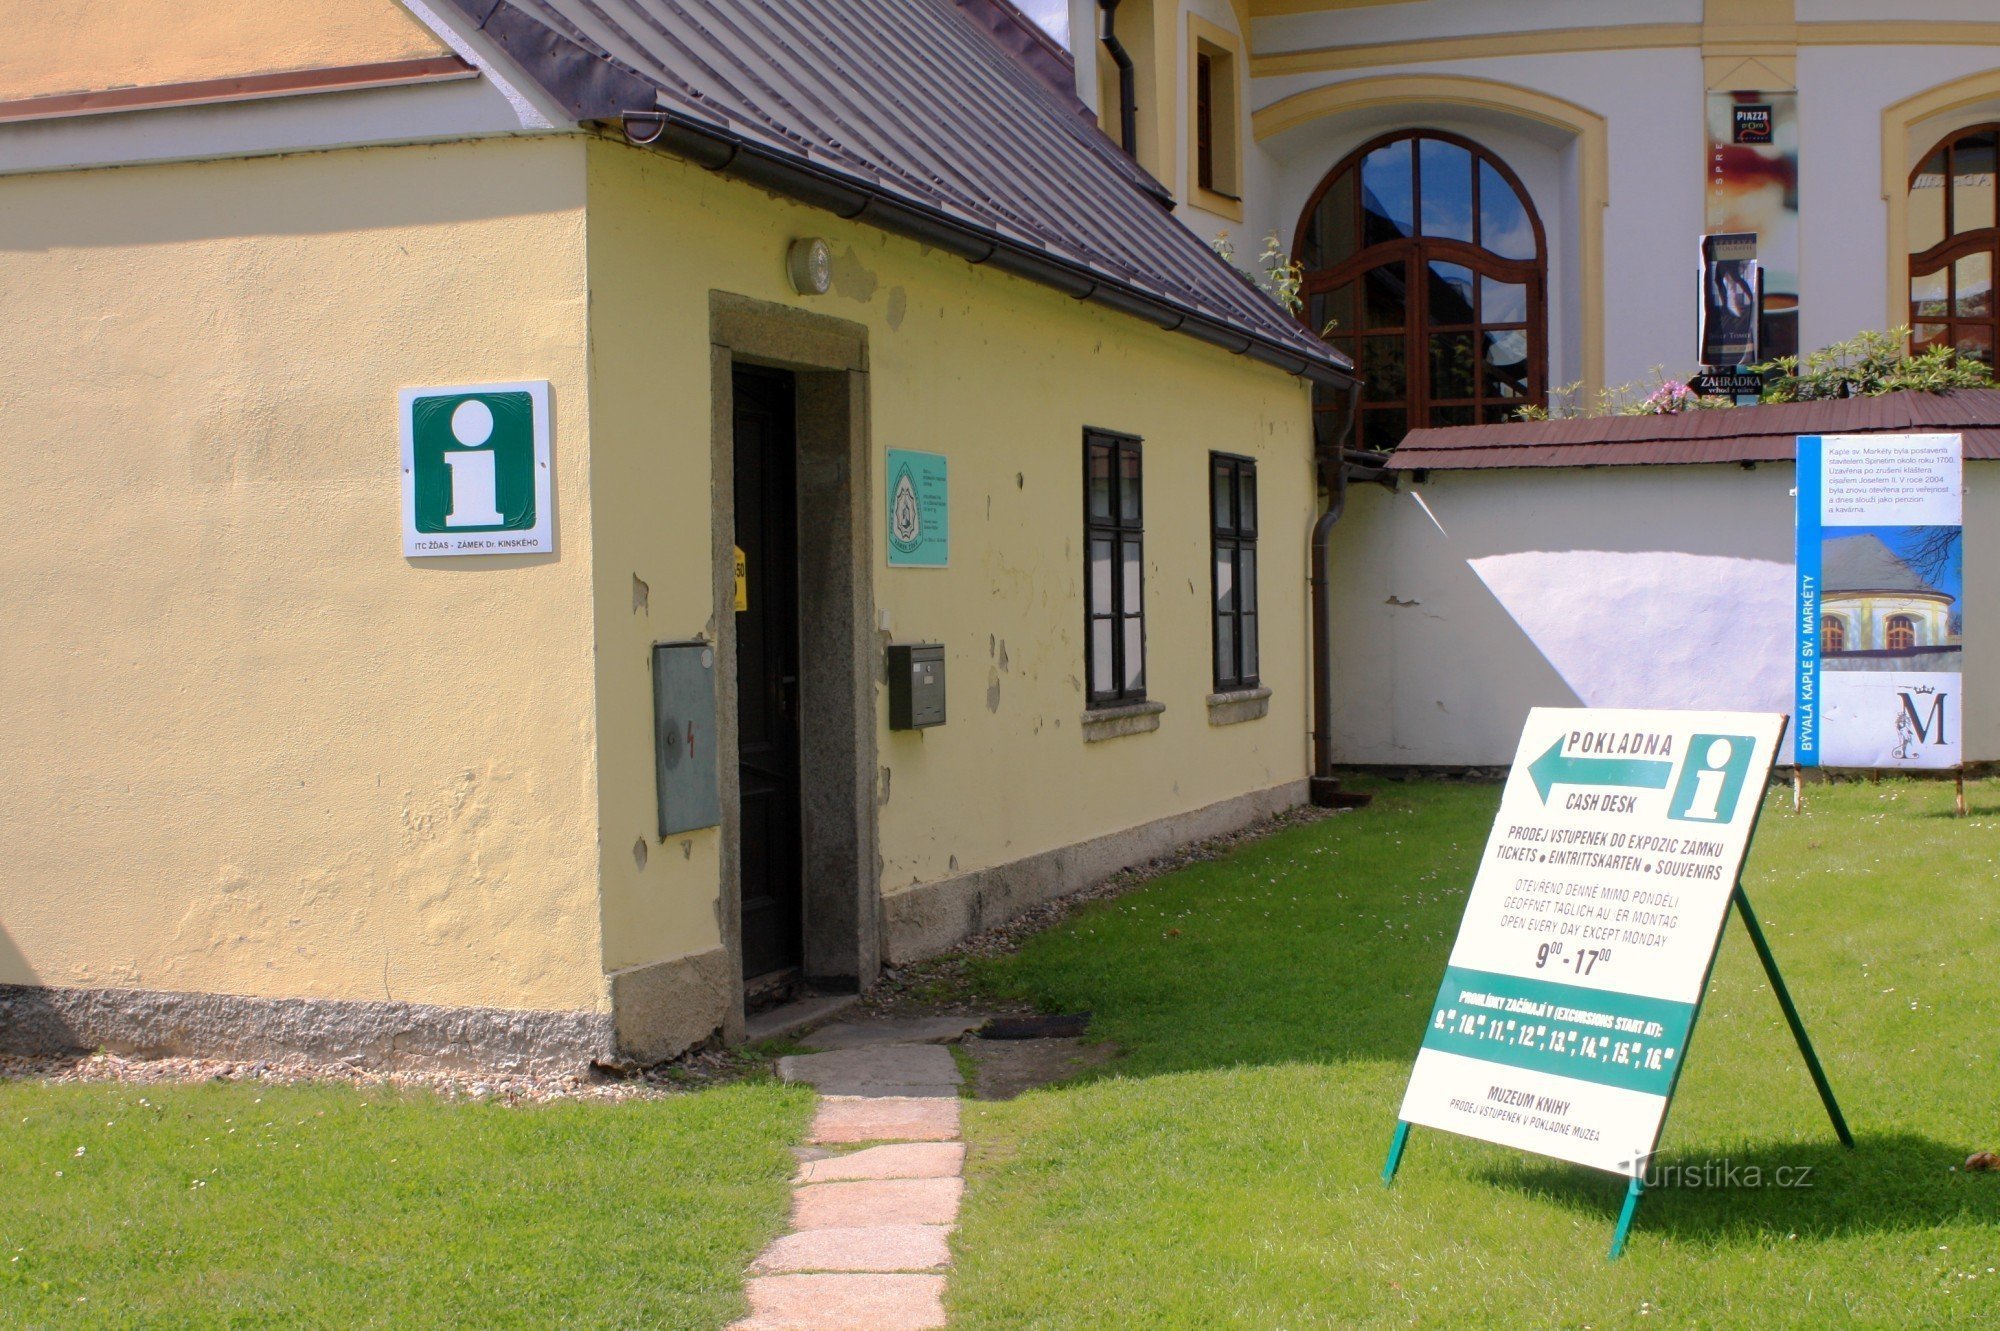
[
  {"x": 1902, "y": 633},
  {"x": 1423, "y": 252},
  {"x": 1832, "y": 634},
  {"x": 1955, "y": 245}
]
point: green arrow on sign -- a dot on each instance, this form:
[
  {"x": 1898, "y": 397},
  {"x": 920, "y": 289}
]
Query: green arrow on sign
[{"x": 1552, "y": 767}]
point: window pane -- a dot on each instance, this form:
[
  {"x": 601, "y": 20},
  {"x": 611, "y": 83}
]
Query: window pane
[
  {"x": 1973, "y": 289},
  {"x": 1221, "y": 484},
  {"x": 1246, "y": 576},
  {"x": 1386, "y": 193},
  {"x": 1384, "y": 290},
  {"x": 1134, "y": 594},
  {"x": 1225, "y": 648},
  {"x": 1332, "y": 237},
  {"x": 1225, "y": 579},
  {"x": 1451, "y": 415},
  {"x": 1100, "y": 481},
  {"x": 1506, "y": 363},
  {"x": 1381, "y": 369},
  {"x": 1382, "y": 430},
  {"x": 1925, "y": 336},
  {"x": 1246, "y": 498},
  {"x": 1128, "y": 485},
  {"x": 1450, "y": 294},
  {"x": 1928, "y": 297},
  {"x": 1451, "y": 365},
  {"x": 1135, "y": 654},
  {"x": 1976, "y": 343},
  {"x": 1444, "y": 170},
  {"x": 1249, "y": 646},
  {"x": 1101, "y": 679},
  {"x": 1332, "y": 312},
  {"x": 1100, "y": 577},
  {"x": 1502, "y": 302},
  {"x": 1504, "y": 227},
  {"x": 1972, "y": 183},
  {"x": 1927, "y": 203}
]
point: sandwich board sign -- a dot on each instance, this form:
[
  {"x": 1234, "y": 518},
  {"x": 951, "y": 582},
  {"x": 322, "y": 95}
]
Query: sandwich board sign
[
  {"x": 1572, "y": 989},
  {"x": 476, "y": 470}
]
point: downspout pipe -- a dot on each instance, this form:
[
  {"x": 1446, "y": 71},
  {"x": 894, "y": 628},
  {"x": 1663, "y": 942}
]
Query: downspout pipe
[
  {"x": 1329, "y": 460},
  {"x": 1128, "y": 95}
]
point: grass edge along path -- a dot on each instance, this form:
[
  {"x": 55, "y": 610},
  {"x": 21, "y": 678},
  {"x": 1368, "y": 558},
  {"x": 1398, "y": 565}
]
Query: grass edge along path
[
  {"x": 251, "y": 1205},
  {"x": 1226, "y": 1172}
]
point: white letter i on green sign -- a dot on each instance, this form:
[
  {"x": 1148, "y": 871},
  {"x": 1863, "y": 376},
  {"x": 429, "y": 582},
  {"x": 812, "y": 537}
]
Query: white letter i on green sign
[{"x": 474, "y": 493}]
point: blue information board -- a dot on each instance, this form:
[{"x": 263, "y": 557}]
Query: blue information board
[{"x": 919, "y": 528}]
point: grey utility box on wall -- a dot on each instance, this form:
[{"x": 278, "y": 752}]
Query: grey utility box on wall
[
  {"x": 916, "y": 685},
  {"x": 684, "y": 735}
]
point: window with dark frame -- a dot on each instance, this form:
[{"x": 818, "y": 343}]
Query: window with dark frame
[
  {"x": 1232, "y": 490},
  {"x": 1954, "y": 234},
  {"x": 1424, "y": 260},
  {"x": 1204, "y": 121},
  {"x": 1113, "y": 569}
]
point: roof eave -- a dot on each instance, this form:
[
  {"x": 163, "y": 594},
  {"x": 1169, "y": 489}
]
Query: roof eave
[{"x": 727, "y": 154}]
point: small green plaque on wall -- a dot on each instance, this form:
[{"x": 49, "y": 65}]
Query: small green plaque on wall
[{"x": 919, "y": 510}]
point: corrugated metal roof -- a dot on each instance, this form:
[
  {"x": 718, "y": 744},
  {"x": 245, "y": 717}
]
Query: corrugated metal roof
[
  {"x": 915, "y": 102},
  {"x": 1743, "y": 434}
]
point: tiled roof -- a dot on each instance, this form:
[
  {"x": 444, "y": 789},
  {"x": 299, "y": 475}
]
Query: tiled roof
[
  {"x": 912, "y": 116},
  {"x": 1743, "y": 434}
]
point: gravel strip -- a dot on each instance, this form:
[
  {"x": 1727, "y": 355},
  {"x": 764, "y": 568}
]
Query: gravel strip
[{"x": 690, "y": 1072}]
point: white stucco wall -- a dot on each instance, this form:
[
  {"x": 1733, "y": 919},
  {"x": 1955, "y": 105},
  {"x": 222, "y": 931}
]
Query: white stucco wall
[
  {"x": 1652, "y": 100},
  {"x": 1464, "y": 601}
]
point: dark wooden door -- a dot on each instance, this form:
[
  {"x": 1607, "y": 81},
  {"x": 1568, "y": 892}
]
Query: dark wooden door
[{"x": 767, "y": 671}]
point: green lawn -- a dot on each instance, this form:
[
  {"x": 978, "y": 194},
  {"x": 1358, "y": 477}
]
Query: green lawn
[
  {"x": 1226, "y": 1173},
  {"x": 251, "y": 1205}
]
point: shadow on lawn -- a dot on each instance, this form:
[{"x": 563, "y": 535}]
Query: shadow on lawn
[{"x": 1889, "y": 1182}]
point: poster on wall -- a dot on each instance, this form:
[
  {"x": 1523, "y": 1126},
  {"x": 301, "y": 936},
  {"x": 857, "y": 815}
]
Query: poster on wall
[
  {"x": 1580, "y": 963},
  {"x": 919, "y": 509},
  {"x": 1731, "y": 299},
  {"x": 1753, "y": 193},
  {"x": 1881, "y": 586}
]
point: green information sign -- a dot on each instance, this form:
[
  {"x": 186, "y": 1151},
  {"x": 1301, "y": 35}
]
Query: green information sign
[
  {"x": 918, "y": 509},
  {"x": 476, "y": 470}
]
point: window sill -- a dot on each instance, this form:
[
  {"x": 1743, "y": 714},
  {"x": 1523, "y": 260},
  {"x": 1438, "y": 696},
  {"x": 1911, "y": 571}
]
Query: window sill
[
  {"x": 1127, "y": 718},
  {"x": 1228, "y": 709},
  {"x": 1215, "y": 201}
]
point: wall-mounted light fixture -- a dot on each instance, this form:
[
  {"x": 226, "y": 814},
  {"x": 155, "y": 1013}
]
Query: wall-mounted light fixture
[{"x": 809, "y": 263}]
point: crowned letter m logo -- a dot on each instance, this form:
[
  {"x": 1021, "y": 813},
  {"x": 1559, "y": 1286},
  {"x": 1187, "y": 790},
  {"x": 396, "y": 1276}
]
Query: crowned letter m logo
[{"x": 1922, "y": 724}]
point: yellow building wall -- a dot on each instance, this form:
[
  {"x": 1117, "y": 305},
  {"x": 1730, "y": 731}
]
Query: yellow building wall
[
  {"x": 58, "y": 46},
  {"x": 1002, "y": 376},
  {"x": 249, "y": 747}
]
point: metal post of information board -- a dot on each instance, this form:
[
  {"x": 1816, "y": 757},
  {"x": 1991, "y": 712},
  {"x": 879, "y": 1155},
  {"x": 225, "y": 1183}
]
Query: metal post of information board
[
  {"x": 1395, "y": 1159},
  {"x": 1632, "y": 1191},
  {"x": 1792, "y": 1016}
]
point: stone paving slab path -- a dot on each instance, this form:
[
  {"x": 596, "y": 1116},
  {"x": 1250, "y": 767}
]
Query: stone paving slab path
[
  {"x": 908, "y": 1160},
  {"x": 871, "y": 1228},
  {"x": 900, "y": 1201},
  {"x": 860, "y": 1248},
  {"x": 845, "y": 1303},
  {"x": 845, "y": 1120},
  {"x": 920, "y": 1070}
]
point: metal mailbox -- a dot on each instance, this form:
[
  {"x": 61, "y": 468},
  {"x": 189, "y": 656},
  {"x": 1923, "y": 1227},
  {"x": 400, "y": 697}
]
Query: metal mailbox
[
  {"x": 684, "y": 735},
  {"x": 916, "y": 685}
]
